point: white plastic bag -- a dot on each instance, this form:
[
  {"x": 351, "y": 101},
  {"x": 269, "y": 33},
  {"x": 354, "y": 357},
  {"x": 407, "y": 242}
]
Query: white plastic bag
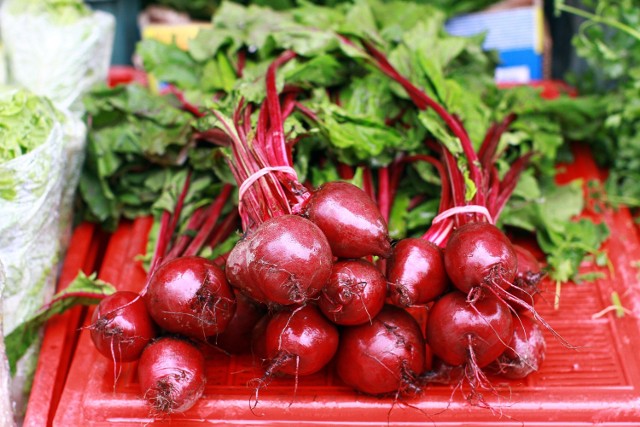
[
  {"x": 54, "y": 55},
  {"x": 6, "y": 412},
  {"x": 31, "y": 189}
]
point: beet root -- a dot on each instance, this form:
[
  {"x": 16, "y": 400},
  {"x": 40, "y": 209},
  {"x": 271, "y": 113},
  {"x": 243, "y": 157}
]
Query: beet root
[
  {"x": 286, "y": 260},
  {"x": 350, "y": 219},
  {"x": 382, "y": 357},
  {"x": 121, "y": 326},
  {"x": 479, "y": 254},
  {"x": 171, "y": 372},
  {"x": 416, "y": 272},
  {"x": 355, "y": 293},
  {"x": 190, "y": 296},
  {"x": 525, "y": 353},
  {"x": 299, "y": 342}
]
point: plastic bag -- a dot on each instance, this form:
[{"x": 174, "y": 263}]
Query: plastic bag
[
  {"x": 54, "y": 53},
  {"x": 31, "y": 189},
  {"x": 6, "y": 413}
]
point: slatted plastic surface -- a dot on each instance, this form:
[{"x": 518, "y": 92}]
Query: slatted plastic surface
[{"x": 599, "y": 383}]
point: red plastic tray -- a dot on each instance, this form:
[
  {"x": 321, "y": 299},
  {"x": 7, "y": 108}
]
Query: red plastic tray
[{"x": 597, "y": 384}]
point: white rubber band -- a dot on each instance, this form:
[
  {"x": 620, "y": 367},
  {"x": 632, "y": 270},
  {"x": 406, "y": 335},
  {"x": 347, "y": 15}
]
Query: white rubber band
[
  {"x": 262, "y": 172},
  {"x": 464, "y": 209}
]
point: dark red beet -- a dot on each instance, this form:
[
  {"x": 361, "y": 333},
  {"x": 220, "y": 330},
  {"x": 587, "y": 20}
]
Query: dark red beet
[
  {"x": 416, "y": 272},
  {"x": 121, "y": 326},
  {"x": 171, "y": 372},
  {"x": 479, "y": 254},
  {"x": 350, "y": 219},
  {"x": 469, "y": 335},
  {"x": 384, "y": 356},
  {"x": 525, "y": 353},
  {"x": 190, "y": 296},
  {"x": 286, "y": 260},
  {"x": 355, "y": 293},
  {"x": 459, "y": 331},
  {"x": 236, "y": 338},
  {"x": 299, "y": 342},
  {"x": 525, "y": 285}
]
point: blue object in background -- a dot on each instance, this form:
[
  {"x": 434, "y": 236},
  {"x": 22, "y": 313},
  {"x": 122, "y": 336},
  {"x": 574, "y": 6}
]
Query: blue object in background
[
  {"x": 517, "y": 35},
  {"x": 127, "y": 33}
]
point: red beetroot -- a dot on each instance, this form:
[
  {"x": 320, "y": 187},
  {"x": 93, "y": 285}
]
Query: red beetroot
[
  {"x": 236, "y": 338},
  {"x": 479, "y": 254},
  {"x": 462, "y": 333},
  {"x": 416, "y": 272},
  {"x": 286, "y": 260},
  {"x": 121, "y": 326},
  {"x": 298, "y": 342},
  {"x": 355, "y": 293},
  {"x": 525, "y": 353},
  {"x": 525, "y": 285},
  {"x": 384, "y": 356},
  {"x": 171, "y": 372},
  {"x": 190, "y": 296},
  {"x": 350, "y": 219}
]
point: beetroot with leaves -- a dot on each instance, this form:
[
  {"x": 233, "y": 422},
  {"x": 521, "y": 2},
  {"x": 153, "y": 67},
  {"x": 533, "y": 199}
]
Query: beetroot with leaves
[{"x": 190, "y": 296}]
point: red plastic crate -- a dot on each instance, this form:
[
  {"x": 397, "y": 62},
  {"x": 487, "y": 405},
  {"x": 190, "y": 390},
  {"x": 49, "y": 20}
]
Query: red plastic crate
[{"x": 599, "y": 383}]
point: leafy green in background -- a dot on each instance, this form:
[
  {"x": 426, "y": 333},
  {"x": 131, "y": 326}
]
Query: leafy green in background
[
  {"x": 139, "y": 142},
  {"x": 609, "y": 40}
]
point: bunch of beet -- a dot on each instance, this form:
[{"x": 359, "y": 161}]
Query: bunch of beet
[
  {"x": 186, "y": 301},
  {"x": 316, "y": 280}
]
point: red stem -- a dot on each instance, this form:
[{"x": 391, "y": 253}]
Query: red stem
[
  {"x": 367, "y": 183},
  {"x": 384, "y": 199},
  {"x": 213, "y": 215}
]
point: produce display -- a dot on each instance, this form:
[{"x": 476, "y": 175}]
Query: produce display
[{"x": 333, "y": 192}]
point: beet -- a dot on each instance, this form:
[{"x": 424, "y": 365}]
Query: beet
[
  {"x": 298, "y": 342},
  {"x": 384, "y": 356},
  {"x": 525, "y": 353},
  {"x": 416, "y": 272},
  {"x": 460, "y": 332},
  {"x": 171, "y": 372},
  {"x": 121, "y": 326},
  {"x": 350, "y": 219},
  {"x": 470, "y": 335},
  {"x": 525, "y": 285},
  {"x": 190, "y": 296},
  {"x": 286, "y": 260},
  {"x": 355, "y": 293},
  {"x": 479, "y": 254}
]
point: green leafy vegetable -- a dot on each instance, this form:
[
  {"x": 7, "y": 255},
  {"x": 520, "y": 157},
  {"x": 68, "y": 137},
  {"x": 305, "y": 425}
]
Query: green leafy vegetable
[{"x": 26, "y": 120}]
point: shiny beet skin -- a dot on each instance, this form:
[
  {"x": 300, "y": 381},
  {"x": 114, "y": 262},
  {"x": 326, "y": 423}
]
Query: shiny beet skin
[
  {"x": 416, "y": 272},
  {"x": 121, "y": 326},
  {"x": 456, "y": 328},
  {"x": 299, "y": 341},
  {"x": 286, "y": 260},
  {"x": 190, "y": 296},
  {"x": 384, "y": 356},
  {"x": 355, "y": 293},
  {"x": 350, "y": 219},
  {"x": 479, "y": 254},
  {"x": 525, "y": 353}
]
